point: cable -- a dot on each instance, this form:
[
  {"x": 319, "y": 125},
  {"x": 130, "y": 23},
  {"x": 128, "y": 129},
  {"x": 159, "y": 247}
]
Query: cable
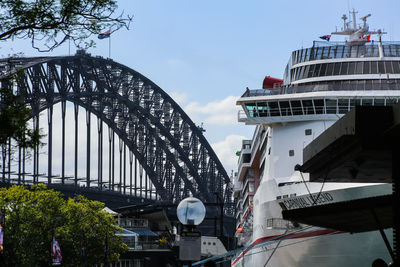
[
  {"x": 320, "y": 191},
  {"x": 276, "y": 247}
]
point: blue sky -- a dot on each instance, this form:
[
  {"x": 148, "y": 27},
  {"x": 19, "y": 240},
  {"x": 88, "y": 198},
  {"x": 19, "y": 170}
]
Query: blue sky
[{"x": 205, "y": 53}]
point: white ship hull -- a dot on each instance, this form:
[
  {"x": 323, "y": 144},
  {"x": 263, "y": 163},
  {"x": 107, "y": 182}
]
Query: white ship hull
[
  {"x": 320, "y": 84},
  {"x": 307, "y": 246}
]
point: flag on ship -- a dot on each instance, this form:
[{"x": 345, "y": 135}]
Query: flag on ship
[
  {"x": 367, "y": 37},
  {"x": 104, "y": 35},
  {"x": 326, "y": 37}
]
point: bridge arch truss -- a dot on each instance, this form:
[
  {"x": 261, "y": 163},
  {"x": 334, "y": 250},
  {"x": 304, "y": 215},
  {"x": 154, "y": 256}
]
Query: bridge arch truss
[{"x": 152, "y": 128}]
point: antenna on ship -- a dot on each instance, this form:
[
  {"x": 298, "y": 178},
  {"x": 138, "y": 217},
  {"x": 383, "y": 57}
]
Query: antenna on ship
[{"x": 358, "y": 35}]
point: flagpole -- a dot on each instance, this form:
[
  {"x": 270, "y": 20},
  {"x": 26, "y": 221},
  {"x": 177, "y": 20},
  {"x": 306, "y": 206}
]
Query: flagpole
[{"x": 109, "y": 46}]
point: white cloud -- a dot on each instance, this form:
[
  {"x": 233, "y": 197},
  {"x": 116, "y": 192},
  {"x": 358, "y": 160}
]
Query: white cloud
[
  {"x": 220, "y": 112},
  {"x": 226, "y": 151}
]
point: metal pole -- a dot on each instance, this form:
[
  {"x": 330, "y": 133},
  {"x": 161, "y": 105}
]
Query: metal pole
[
  {"x": 4, "y": 154},
  {"x": 63, "y": 110},
  {"x": 87, "y": 148},
  {"x": 49, "y": 143},
  {"x": 130, "y": 172},
  {"x": 23, "y": 165},
  {"x": 9, "y": 160},
  {"x": 100, "y": 153},
  {"x": 109, "y": 157},
  {"x": 19, "y": 164},
  {"x": 120, "y": 163},
  {"x": 113, "y": 161},
  {"x": 124, "y": 184},
  {"x": 135, "y": 177},
  {"x": 76, "y": 111}
]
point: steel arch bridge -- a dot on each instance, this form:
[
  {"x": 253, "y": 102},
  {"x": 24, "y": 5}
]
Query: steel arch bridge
[{"x": 158, "y": 134}]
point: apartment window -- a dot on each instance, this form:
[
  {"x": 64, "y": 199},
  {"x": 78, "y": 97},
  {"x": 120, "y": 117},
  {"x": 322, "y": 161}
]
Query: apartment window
[
  {"x": 251, "y": 186},
  {"x": 291, "y": 153}
]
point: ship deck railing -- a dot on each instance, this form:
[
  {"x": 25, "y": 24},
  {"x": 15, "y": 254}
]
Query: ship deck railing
[{"x": 386, "y": 85}]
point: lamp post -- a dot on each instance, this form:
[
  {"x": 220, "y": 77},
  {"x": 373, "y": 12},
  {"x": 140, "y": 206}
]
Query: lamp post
[{"x": 190, "y": 212}]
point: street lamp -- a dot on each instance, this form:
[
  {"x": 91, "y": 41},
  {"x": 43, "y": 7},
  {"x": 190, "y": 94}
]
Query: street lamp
[{"x": 190, "y": 212}]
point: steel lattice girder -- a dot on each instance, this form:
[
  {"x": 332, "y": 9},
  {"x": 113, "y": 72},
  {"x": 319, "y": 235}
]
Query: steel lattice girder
[{"x": 168, "y": 145}]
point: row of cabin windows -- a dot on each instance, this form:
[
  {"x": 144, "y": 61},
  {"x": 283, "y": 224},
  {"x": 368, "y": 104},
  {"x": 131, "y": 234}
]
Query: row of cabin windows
[
  {"x": 344, "y": 51},
  {"x": 313, "y": 106},
  {"x": 345, "y": 68}
]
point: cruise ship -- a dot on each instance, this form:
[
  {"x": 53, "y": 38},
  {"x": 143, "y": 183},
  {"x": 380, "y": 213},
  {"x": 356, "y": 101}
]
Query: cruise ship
[{"x": 320, "y": 85}]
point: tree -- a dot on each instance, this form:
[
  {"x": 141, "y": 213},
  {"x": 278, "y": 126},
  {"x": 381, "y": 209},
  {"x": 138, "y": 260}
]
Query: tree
[
  {"x": 14, "y": 114},
  {"x": 33, "y": 217},
  {"x": 51, "y": 22},
  {"x": 47, "y": 24}
]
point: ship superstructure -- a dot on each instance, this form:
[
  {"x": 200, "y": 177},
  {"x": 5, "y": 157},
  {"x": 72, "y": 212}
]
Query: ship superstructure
[{"x": 321, "y": 84}]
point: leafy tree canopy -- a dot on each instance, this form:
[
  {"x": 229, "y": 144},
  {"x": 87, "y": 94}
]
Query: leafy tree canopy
[
  {"x": 33, "y": 217},
  {"x": 48, "y": 23}
]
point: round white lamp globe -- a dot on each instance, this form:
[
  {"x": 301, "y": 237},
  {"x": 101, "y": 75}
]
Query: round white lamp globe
[{"x": 191, "y": 211}]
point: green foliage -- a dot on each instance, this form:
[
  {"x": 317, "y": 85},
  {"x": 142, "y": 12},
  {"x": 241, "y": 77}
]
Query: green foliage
[
  {"x": 33, "y": 216},
  {"x": 52, "y": 21},
  {"x": 14, "y": 116}
]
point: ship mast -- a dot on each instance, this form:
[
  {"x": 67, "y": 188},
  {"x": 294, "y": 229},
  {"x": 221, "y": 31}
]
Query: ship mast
[{"x": 358, "y": 35}]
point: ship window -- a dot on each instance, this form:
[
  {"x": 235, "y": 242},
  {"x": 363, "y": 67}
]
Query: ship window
[
  {"x": 319, "y": 52},
  {"x": 379, "y": 102},
  {"x": 388, "y": 66},
  {"x": 296, "y": 107},
  {"x": 251, "y": 107},
  {"x": 301, "y": 72},
  {"x": 367, "y": 67},
  {"x": 311, "y": 70},
  {"x": 391, "y": 101},
  {"x": 367, "y": 102},
  {"x": 262, "y": 109},
  {"x": 331, "y": 105},
  {"x": 332, "y": 52},
  {"x": 323, "y": 70},
  {"x": 329, "y": 70},
  {"x": 325, "y": 52},
  {"x": 308, "y": 131},
  {"x": 394, "y": 52},
  {"x": 285, "y": 108},
  {"x": 381, "y": 67},
  {"x": 355, "y": 102},
  {"x": 291, "y": 153},
  {"x": 396, "y": 68},
  {"x": 344, "y": 69},
  {"x": 306, "y": 55},
  {"x": 308, "y": 107},
  {"x": 343, "y": 106},
  {"x": 352, "y": 68},
  {"x": 319, "y": 106},
  {"x": 316, "y": 70},
  {"x": 336, "y": 69},
  {"x": 340, "y": 52},
  {"x": 346, "y": 51},
  {"x": 386, "y": 50},
  {"x": 374, "y": 69},
  {"x": 359, "y": 68},
  {"x": 273, "y": 108},
  {"x": 306, "y": 69}
]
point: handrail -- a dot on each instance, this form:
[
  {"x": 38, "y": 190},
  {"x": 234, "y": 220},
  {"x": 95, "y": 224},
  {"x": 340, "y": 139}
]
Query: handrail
[{"x": 323, "y": 87}]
